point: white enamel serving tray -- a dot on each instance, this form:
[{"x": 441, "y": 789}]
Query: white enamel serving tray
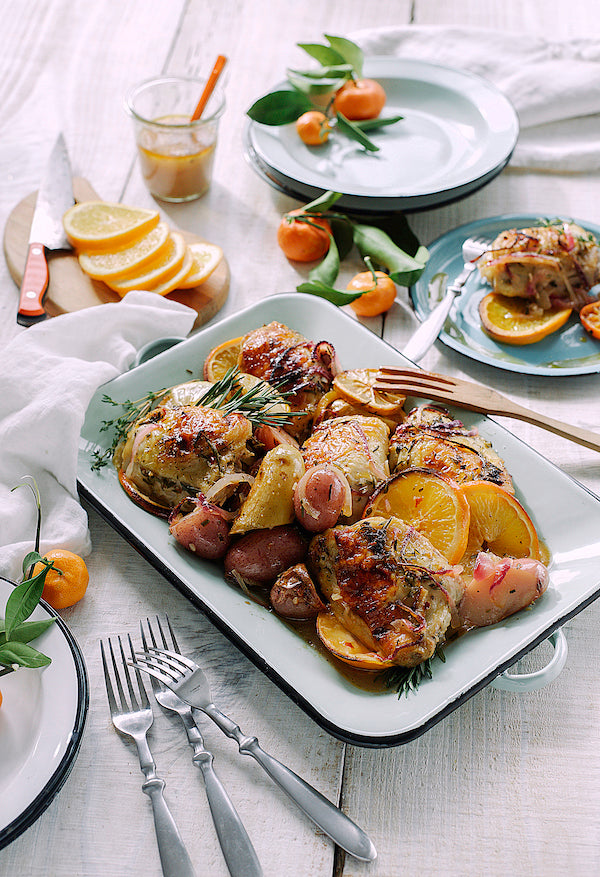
[
  {"x": 565, "y": 514},
  {"x": 41, "y": 724},
  {"x": 457, "y": 133}
]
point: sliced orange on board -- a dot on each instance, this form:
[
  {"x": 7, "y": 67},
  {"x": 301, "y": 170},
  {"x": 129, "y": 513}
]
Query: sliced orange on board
[
  {"x": 121, "y": 263},
  {"x": 205, "y": 258},
  {"x": 507, "y": 319},
  {"x": 163, "y": 266},
  {"x": 100, "y": 225},
  {"x": 434, "y": 505}
]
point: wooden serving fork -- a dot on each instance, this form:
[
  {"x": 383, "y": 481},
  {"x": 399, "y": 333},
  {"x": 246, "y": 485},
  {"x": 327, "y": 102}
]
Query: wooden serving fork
[{"x": 473, "y": 397}]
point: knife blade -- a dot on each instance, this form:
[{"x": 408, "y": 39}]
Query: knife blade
[{"x": 55, "y": 196}]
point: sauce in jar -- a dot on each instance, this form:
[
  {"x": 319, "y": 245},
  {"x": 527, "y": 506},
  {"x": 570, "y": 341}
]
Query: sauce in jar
[{"x": 176, "y": 157}]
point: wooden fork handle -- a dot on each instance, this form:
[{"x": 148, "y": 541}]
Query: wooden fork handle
[{"x": 575, "y": 433}]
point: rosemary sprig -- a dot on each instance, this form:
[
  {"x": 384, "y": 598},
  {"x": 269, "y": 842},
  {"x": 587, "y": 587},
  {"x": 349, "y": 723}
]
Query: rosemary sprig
[
  {"x": 407, "y": 679},
  {"x": 256, "y": 403}
]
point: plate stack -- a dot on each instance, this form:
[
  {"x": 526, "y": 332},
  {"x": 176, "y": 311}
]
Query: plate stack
[{"x": 457, "y": 133}]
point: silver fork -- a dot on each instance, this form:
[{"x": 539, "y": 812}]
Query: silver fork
[
  {"x": 472, "y": 250},
  {"x": 237, "y": 848},
  {"x": 188, "y": 681},
  {"x": 134, "y": 718}
]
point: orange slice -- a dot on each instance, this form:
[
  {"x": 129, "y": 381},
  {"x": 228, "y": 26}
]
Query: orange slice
[
  {"x": 121, "y": 263},
  {"x": 506, "y": 319},
  {"x": 100, "y": 225},
  {"x": 205, "y": 258},
  {"x": 499, "y": 522},
  {"x": 164, "y": 265},
  {"x": 221, "y": 359},
  {"x": 432, "y": 504},
  {"x": 338, "y": 640},
  {"x": 590, "y": 318},
  {"x": 356, "y": 386}
]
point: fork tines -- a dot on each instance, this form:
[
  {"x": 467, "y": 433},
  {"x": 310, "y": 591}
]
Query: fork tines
[
  {"x": 400, "y": 380},
  {"x": 134, "y": 702}
]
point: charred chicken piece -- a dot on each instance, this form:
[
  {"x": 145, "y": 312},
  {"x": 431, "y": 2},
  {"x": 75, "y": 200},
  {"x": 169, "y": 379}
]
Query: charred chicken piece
[
  {"x": 388, "y": 585},
  {"x": 302, "y": 369},
  {"x": 173, "y": 452},
  {"x": 430, "y": 439},
  {"x": 553, "y": 265}
]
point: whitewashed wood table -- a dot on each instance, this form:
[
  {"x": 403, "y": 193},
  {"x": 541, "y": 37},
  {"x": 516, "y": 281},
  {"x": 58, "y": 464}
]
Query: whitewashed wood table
[{"x": 504, "y": 785}]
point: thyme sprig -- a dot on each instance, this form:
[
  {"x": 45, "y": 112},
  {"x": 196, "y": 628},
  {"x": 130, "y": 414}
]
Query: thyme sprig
[
  {"x": 132, "y": 411},
  {"x": 407, "y": 679}
]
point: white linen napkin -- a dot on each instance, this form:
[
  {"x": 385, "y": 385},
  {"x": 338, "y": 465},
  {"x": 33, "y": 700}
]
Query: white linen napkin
[
  {"x": 553, "y": 85},
  {"x": 48, "y": 375}
]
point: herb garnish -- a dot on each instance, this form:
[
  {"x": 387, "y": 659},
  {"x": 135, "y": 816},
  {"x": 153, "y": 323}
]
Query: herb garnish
[
  {"x": 225, "y": 395},
  {"x": 15, "y": 631},
  {"x": 132, "y": 411},
  {"x": 256, "y": 404},
  {"x": 407, "y": 679}
]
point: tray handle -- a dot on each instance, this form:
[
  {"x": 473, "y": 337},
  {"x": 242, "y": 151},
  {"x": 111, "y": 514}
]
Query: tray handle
[{"x": 524, "y": 682}]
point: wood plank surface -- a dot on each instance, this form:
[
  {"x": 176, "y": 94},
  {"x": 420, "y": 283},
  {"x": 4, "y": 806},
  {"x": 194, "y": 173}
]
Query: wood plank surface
[{"x": 506, "y": 784}]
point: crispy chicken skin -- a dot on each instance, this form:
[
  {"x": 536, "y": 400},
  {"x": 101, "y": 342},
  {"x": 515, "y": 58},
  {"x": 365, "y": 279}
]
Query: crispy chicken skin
[
  {"x": 358, "y": 446},
  {"x": 429, "y": 438},
  {"x": 302, "y": 369},
  {"x": 553, "y": 265},
  {"x": 177, "y": 451},
  {"x": 388, "y": 585}
]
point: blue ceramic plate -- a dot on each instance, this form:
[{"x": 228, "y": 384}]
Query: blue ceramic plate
[{"x": 570, "y": 351}]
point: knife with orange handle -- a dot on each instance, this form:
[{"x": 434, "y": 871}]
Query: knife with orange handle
[{"x": 54, "y": 198}]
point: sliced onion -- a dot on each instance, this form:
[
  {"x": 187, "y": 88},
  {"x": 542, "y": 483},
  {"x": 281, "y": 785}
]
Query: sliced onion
[
  {"x": 139, "y": 437},
  {"x": 226, "y": 486}
]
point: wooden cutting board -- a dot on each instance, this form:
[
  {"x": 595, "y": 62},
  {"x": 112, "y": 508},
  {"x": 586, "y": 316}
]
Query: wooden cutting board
[{"x": 70, "y": 289}]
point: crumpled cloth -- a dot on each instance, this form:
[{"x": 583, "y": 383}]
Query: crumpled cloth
[
  {"x": 553, "y": 85},
  {"x": 48, "y": 375}
]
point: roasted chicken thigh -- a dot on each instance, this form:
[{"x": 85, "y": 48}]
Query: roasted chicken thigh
[
  {"x": 388, "y": 585},
  {"x": 430, "y": 439}
]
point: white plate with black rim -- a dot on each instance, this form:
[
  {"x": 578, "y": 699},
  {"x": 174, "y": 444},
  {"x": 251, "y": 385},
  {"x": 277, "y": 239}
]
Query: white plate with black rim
[
  {"x": 42, "y": 718},
  {"x": 457, "y": 133},
  {"x": 564, "y": 513}
]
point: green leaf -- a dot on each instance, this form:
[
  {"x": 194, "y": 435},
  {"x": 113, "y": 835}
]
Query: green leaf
[
  {"x": 335, "y": 296},
  {"x": 310, "y": 86},
  {"x": 23, "y": 600},
  {"x": 349, "y": 51},
  {"x": 279, "y": 107},
  {"x": 323, "y": 203},
  {"x": 341, "y": 228},
  {"x": 350, "y": 129},
  {"x": 325, "y": 55},
  {"x": 403, "y": 268},
  {"x": 327, "y": 270},
  {"x": 22, "y": 654},
  {"x": 332, "y": 71},
  {"x": 30, "y": 560},
  {"x": 379, "y": 122},
  {"x": 27, "y": 631}
]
